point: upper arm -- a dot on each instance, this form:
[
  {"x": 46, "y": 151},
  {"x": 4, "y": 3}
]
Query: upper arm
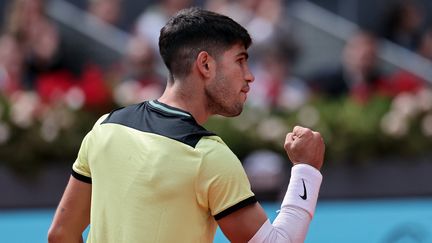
[
  {"x": 73, "y": 213},
  {"x": 241, "y": 225},
  {"x": 222, "y": 185},
  {"x": 225, "y": 189}
]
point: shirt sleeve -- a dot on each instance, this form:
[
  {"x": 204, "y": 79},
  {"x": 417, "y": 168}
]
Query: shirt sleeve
[
  {"x": 223, "y": 186},
  {"x": 80, "y": 168}
]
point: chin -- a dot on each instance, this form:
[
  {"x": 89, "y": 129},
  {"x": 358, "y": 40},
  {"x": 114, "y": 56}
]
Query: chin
[{"x": 232, "y": 112}]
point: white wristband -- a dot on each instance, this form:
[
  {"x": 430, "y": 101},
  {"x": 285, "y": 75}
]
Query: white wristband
[{"x": 303, "y": 188}]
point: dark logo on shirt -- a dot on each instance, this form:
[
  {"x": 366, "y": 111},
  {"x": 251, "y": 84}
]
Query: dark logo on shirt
[{"x": 304, "y": 197}]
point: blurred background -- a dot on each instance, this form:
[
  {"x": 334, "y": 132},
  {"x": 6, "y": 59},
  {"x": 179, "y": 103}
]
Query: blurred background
[{"x": 360, "y": 72}]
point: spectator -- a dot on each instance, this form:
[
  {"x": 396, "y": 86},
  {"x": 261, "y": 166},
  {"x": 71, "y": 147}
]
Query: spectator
[
  {"x": 262, "y": 19},
  {"x": 139, "y": 79},
  {"x": 107, "y": 11},
  {"x": 403, "y": 23},
  {"x": 37, "y": 37},
  {"x": 48, "y": 67},
  {"x": 21, "y": 16},
  {"x": 425, "y": 48},
  {"x": 11, "y": 64},
  {"x": 154, "y": 18},
  {"x": 275, "y": 85},
  {"x": 402, "y": 81},
  {"x": 358, "y": 75}
]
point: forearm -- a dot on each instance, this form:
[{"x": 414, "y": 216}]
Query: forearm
[
  {"x": 73, "y": 213},
  {"x": 297, "y": 210}
]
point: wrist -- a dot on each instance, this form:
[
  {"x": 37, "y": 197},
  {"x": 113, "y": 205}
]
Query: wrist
[
  {"x": 312, "y": 166},
  {"x": 303, "y": 188}
]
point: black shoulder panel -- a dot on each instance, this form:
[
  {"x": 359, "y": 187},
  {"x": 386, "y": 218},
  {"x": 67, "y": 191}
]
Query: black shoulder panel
[{"x": 162, "y": 120}]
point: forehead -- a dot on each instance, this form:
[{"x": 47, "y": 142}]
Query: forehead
[{"x": 236, "y": 51}]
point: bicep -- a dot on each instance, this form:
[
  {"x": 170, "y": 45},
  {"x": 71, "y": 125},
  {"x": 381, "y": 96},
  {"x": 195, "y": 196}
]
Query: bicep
[
  {"x": 241, "y": 225},
  {"x": 73, "y": 212}
]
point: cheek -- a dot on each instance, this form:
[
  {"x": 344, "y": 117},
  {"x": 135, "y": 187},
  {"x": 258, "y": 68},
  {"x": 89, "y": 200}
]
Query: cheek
[
  {"x": 229, "y": 80},
  {"x": 223, "y": 86}
]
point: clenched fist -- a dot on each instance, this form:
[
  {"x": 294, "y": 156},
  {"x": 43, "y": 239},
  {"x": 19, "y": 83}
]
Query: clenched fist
[{"x": 305, "y": 146}]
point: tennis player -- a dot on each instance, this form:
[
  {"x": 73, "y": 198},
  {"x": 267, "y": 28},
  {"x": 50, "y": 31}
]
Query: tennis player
[{"x": 151, "y": 173}]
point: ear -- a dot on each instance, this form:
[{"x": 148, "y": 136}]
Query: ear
[{"x": 205, "y": 64}]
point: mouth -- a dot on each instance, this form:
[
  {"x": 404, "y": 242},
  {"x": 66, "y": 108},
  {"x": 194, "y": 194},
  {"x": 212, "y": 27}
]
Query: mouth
[
  {"x": 245, "y": 89},
  {"x": 245, "y": 92}
]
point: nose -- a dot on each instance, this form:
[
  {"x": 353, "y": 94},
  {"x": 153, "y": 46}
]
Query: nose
[{"x": 249, "y": 77}]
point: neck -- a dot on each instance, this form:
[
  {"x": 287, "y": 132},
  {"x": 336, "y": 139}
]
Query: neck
[{"x": 189, "y": 98}]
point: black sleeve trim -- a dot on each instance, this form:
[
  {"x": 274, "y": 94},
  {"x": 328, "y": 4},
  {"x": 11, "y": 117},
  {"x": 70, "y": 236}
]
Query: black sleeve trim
[
  {"x": 232, "y": 209},
  {"x": 81, "y": 177}
]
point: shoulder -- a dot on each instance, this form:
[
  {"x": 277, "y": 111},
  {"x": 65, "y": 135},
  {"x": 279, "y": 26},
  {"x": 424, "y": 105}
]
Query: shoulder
[
  {"x": 122, "y": 114},
  {"x": 101, "y": 119},
  {"x": 216, "y": 153},
  {"x": 209, "y": 144}
]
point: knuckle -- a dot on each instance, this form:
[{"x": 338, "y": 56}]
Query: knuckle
[
  {"x": 317, "y": 135},
  {"x": 307, "y": 132},
  {"x": 298, "y": 129}
]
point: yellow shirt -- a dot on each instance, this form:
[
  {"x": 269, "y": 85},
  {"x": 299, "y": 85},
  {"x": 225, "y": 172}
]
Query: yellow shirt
[{"x": 157, "y": 176}]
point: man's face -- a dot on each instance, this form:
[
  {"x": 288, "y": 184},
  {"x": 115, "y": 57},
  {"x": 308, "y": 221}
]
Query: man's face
[
  {"x": 227, "y": 91},
  {"x": 360, "y": 53}
]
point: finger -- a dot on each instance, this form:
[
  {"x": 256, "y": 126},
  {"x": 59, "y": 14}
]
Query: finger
[
  {"x": 289, "y": 137},
  {"x": 298, "y": 129},
  {"x": 288, "y": 141},
  {"x": 318, "y": 136},
  {"x": 303, "y": 132}
]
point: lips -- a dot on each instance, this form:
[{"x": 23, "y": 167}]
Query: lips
[{"x": 245, "y": 89}]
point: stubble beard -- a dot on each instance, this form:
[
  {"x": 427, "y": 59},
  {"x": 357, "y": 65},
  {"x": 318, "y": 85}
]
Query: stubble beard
[{"x": 219, "y": 98}]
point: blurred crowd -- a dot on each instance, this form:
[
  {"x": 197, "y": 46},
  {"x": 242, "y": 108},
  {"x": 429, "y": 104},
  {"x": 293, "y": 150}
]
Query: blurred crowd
[
  {"x": 36, "y": 57},
  {"x": 39, "y": 64}
]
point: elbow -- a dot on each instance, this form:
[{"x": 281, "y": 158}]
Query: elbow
[{"x": 56, "y": 235}]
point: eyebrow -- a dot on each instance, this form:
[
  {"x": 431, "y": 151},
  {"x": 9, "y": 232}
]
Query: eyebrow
[{"x": 243, "y": 53}]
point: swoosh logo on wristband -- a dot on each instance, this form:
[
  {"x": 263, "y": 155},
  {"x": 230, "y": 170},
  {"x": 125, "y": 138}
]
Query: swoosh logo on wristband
[{"x": 304, "y": 197}]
